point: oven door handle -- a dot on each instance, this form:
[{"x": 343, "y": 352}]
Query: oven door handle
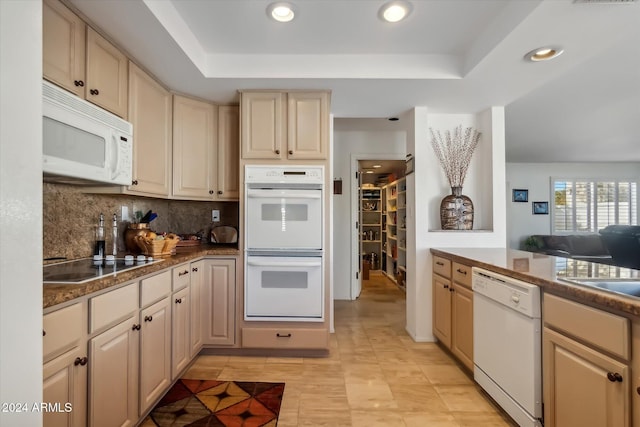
[
  {"x": 284, "y": 264},
  {"x": 290, "y": 194}
]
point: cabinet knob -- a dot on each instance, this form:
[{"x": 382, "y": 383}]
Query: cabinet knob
[
  {"x": 290, "y": 152},
  {"x": 135, "y": 327},
  {"x": 148, "y": 318},
  {"x": 451, "y": 290},
  {"x": 134, "y": 182},
  {"x": 279, "y": 335},
  {"x": 446, "y": 286},
  {"x": 614, "y": 377},
  {"x": 178, "y": 300},
  {"x": 94, "y": 91},
  {"x": 210, "y": 191},
  {"x": 77, "y": 361},
  {"x": 78, "y": 83},
  {"x": 277, "y": 151},
  {"x": 638, "y": 390},
  {"x": 44, "y": 332},
  {"x": 83, "y": 361},
  {"x": 194, "y": 269},
  {"x": 219, "y": 191}
]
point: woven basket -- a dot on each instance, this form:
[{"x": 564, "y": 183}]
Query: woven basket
[{"x": 157, "y": 247}]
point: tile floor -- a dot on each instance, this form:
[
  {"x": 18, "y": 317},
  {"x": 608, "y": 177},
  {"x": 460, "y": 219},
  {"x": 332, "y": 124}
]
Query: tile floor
[{"x": 376, "y": 375}]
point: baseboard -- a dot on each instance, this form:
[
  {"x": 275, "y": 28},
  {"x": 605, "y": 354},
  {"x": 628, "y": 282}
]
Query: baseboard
[{"x": 416, "y": 338}]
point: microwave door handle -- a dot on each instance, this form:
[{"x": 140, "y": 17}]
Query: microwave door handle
[
  {"x": 267, "y": 194},
  {"x": 115, "y": 153},
  {"x": 285, "y": 264}
]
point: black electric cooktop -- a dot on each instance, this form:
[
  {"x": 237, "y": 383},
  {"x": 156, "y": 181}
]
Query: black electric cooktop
[{"x": 83, "y": 270}]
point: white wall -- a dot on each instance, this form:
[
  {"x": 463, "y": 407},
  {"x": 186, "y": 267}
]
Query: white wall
[
  {"x": 21, "y": 209},
  {"x": 352, "y": 137},
  {"x": 536, "y": 177}
]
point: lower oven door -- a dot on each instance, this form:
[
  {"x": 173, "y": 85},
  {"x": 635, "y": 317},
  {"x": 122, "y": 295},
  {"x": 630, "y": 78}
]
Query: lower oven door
[
  {"x": 284, "y": 288},
  {"x": 284, "y": 219}
]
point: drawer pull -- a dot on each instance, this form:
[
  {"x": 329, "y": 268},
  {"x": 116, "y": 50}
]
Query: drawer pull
[
  {"x": 446, "y": 286},
  {"x": 183, "y": 273},
  {"x": 178, "y": 300},
  {"x": 614, "y": 377},
  {"x": 194, "y": 269},
  {"x": 461, "y": 271},
  {"x": 148, "y": 318},
  {"x": 279, "y": 335},
  {"x": 136, "y": 327},
  {"x": 441, "y": 264},
  {"x": 80, "y": 361}
]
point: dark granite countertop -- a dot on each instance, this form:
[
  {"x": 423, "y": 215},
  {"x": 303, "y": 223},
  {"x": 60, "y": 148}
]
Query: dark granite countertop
[
  {"x": 58, "y": 293},
  {"x": 548, "y": 272}
]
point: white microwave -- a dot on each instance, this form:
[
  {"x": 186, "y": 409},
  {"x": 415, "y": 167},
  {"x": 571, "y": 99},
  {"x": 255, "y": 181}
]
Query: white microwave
[{"x": 82, "y": 143}]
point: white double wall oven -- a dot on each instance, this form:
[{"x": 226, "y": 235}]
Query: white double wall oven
[{"x": 284, "y": 254}]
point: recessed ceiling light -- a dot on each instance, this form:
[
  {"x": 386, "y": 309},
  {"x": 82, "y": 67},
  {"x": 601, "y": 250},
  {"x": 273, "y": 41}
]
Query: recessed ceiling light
[
  {"x": 543, "y": 53},
  {"x": 281, "y": 11},
  {"x": 395, "y": 11},
  {"x": 369, "y": 171},
  {"x": 377, "y": 166}
]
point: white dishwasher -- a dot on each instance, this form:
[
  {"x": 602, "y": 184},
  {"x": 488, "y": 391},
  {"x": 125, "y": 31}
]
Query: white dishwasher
[{"x": 507, "y": 344}]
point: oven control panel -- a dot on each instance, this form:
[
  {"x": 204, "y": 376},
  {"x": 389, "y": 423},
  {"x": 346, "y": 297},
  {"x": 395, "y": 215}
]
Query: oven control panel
[{"x": 284, "y": 174}]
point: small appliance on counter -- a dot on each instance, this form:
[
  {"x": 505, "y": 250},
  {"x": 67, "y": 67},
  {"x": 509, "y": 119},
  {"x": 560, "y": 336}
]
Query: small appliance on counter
[{"x": 224, "y": 234}]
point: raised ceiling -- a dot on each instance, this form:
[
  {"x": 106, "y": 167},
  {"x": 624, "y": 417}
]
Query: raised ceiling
[{"x": 453, "y": 56}]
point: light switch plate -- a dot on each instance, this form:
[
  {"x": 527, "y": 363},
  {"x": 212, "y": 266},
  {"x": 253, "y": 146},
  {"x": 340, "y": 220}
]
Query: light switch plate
[{"x": 215, "y": 215}]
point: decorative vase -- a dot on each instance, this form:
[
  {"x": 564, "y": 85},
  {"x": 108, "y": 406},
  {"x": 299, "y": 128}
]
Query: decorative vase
[
  {"x": 456, "y": 211},
  {"x": 133, "y": 230}
]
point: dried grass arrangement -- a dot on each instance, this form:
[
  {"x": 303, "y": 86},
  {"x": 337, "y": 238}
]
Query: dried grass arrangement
[{"x": 454, "y": 152}]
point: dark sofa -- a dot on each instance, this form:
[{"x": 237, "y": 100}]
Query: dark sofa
[{"x": 587, "y": 247}]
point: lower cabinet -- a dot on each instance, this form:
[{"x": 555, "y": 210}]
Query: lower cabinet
[
  {"x": 113, "y": 375},
  {"x": 180, "y": 343},
  {"x": 219, "y": 302},
  {"x": 586, "y": 374},
  {"x": 65, "y": 383},
  {"x": 442, "y": 309},
  {"x": 155, "y": 352},
  {"x": 196, "y": 302},
  {"x": 462, "y": 315}
]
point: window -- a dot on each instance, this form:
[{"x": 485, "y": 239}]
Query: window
[{"x": 583, "y": 205}]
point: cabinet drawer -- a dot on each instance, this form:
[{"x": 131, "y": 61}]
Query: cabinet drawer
[
  {"x": 108, "y": 308},
  {"x": 442, "y": 266},
  {"x": 181, "y": 276},
  {"x": 155, "y": 288},
  {"x": 284, "y": 338},
  {"x": 606, "y": 331},
  {"x": 62, "y": 330},
  {"x": 462, "y": 274}
]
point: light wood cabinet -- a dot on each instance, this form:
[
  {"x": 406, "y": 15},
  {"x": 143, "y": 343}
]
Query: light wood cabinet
[
  {"x": 150, "y": 112},
  {"x": 80, "y": 60},
  {"x": 194, "y": 142},
  {"x": 219, "y": 302},
  {"x": 586, "y": 374},
  {"x": 65, "y": 385},
  {"x": 155, "y": 352},
  {"x": 107, "y": 77},
  {"x": 180, "y": 343},
  {"x": 63, "y": 47},
  {"x": 113, "y": 375},
  {"x": 196, "y": 303},
  {"x": 453, "y": 308},
  {"x": 284, "y": 126},
  {"x": 228, "y": 153}
]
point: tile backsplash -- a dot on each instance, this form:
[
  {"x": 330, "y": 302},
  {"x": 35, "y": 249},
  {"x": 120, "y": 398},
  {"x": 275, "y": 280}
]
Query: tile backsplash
[{"x": 70, "y": 218}]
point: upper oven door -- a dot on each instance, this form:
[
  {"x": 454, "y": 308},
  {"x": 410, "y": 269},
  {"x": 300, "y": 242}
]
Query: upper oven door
[{"x": 284, "y": 219}]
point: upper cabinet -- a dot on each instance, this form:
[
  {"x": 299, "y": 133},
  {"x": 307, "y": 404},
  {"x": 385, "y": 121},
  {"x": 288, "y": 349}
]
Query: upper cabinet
[
  {"x": 228, "y": 153},
  {"x": 150, "y": 112},
  {"x": 194, "y": 154},
  {"x": 284, "y": 126},
  {"x": 81, "y": 61}
]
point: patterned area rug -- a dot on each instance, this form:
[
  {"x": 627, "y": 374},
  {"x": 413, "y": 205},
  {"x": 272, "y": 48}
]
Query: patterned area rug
[{"x": 201, "y": 403}]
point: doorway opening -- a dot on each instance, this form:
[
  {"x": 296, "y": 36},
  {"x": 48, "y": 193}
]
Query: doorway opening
[{"x": 379, "y": 215}]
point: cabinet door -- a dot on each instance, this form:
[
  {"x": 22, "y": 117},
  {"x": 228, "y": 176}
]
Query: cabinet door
[
  {"x": 65, "y": 385},
  {"x": 63, "y": 47},
  {"x": 228, "y": 153},
  {"x": 150, "y": 112},
  {"x": 308, "y": 125},
  {"x": 107, "y": 78},
  {"x": 155, "y": 352},
  {"x": 577, "y": 388},
  {"x": 220, "y": 294},
  {"x": 181, "y": 354},
  {"x": 261, "y": 125},
  {"x": 442, "y": 310},
  {"x": 194, "y": 156},
  {"x": 462, "y": 324},
  {"x": 113, "y": 375},
  {"x": 196, "y": 301}
]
